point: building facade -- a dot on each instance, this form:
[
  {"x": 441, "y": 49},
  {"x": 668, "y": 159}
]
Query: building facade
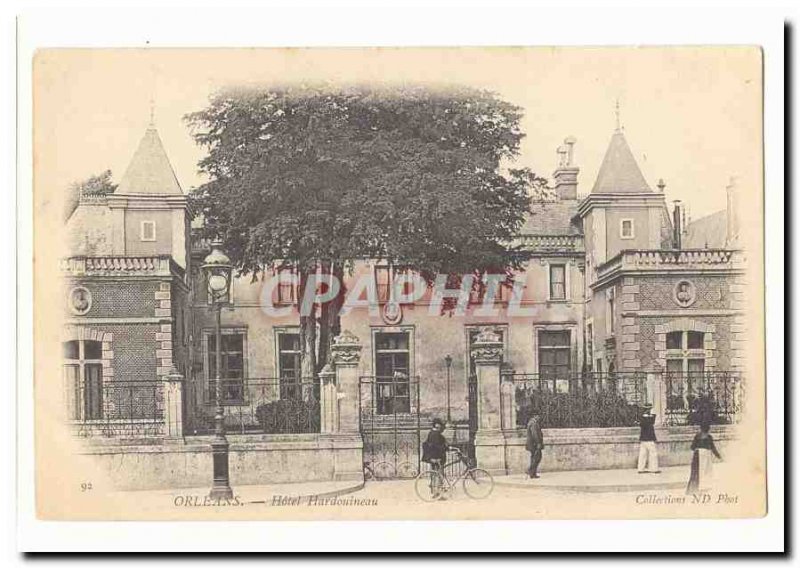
[{"x": 619, "y": 293}]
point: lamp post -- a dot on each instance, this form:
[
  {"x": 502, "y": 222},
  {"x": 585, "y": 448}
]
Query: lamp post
[
  {"x": 217, "y": 269},
  {"x": 448, "y": 362}
]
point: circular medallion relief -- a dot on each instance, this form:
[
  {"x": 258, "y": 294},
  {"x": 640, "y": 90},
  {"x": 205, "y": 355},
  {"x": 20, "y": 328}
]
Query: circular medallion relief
[
  {"x": 392, "y": 312},
  {"x": 684, "y": 293},
  {"x": 79, "y": 300}
]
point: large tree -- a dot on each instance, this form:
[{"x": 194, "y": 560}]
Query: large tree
[
  {"x": 100, "y": 184},
  {"x": 316, "y": 177}
]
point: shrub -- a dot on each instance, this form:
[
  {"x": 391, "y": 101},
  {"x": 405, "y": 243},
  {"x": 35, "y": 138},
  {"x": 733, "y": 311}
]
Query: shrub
[
  {"x": 289, "y": 416},
  {"x": 578, "y": 409}
]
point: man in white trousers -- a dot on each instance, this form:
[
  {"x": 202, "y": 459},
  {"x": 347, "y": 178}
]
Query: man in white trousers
[{"x": 648, "y": 452}]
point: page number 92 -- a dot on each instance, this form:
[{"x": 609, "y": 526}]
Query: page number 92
[{"x": 86, "y": 486}]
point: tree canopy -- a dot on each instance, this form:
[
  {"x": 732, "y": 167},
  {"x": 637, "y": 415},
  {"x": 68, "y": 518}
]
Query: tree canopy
[{"x": 328, "y": 175}]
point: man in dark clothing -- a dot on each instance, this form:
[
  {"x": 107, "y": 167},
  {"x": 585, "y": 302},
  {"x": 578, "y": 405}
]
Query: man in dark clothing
[
  {"x": 648, "y": 452},
  {"x": 534, "y": 443},
  {"x": 434, "y": 449}
]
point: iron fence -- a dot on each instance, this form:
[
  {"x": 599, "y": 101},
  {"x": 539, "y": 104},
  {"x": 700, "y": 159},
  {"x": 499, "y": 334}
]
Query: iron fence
[
  {"x": 115, "y": 408},
  {"x": 594, "y": 400},
  {"x": 711, "y": 397},
  {"x": 256, "y": 406}
]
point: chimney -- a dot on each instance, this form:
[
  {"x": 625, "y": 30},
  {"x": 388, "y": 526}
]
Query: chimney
[
  {"x": 566, "y": 174},
  {"x": 732, "y": 231},
  {"x": 677, "y": 224}
]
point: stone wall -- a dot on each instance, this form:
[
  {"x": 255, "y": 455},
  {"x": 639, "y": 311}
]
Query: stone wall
[
  {"x": 254, "y": 460},
  {"x": 606, "y": 448}
]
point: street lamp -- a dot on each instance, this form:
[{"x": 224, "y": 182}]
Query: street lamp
[
  {"x": 217, "y": 269},
  {"x": 448, "y": 361}
]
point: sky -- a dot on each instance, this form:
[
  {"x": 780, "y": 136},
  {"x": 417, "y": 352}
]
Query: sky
[{"x": 692, "y": 115}]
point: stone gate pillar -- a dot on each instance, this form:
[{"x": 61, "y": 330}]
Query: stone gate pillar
[
  {"x": 329, "y": 402},
  {"x": 487, "y": 353},
  {"x": 657, "y": 394},
  {"x": 173, "y": 404},
  {"x": 345, "y": 356},
  {"x": 341, "y": 407}
]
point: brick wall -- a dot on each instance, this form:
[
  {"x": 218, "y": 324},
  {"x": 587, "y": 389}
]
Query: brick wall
[
  {"x": 711, "y": 292},
  {"x": 115, "y": 299}
]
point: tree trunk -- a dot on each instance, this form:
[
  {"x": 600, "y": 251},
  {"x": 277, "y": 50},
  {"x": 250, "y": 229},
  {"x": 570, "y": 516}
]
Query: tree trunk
[
  {"x": 329, "y": 320},
  {"x": 308, "y": 330}
]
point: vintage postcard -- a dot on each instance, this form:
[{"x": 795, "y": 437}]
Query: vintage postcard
[{"x": 399, "y": 283}]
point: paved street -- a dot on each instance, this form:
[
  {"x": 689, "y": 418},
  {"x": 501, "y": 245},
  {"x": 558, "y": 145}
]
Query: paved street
[{"x": 556, "y": 495}]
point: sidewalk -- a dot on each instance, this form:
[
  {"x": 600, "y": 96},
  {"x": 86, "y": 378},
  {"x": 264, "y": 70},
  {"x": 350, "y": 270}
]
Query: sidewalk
[
  {"x": 600, "y": 480},
  {"x": 261, "y": 494}
]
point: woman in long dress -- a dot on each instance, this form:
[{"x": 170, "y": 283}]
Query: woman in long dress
[{"x": 703, "y": 452}]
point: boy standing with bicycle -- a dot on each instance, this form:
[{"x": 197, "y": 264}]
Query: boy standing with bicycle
[{"x": 434, "y": 449}]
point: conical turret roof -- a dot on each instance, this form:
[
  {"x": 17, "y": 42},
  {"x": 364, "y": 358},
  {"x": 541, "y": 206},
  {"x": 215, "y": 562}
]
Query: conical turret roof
[
  {"x": 150, "y": 171},
  {"x": 619, "y": 172}
]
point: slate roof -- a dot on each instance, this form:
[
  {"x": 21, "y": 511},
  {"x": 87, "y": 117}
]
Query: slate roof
[
  {"x": 619, "y": 172},
  {"x": 150, "y": 171},
  {"x": 707, "y": 232},
  {"x": 551, "y": 218}
]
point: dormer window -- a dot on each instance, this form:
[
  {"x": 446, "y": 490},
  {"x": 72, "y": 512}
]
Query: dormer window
[
  {"x": 148, "y": 231},
  {"x": 626, "y": 229}
]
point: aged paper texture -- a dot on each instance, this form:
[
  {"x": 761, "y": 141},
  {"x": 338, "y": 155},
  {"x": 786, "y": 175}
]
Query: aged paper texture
[{"x": 407, "y": 283}]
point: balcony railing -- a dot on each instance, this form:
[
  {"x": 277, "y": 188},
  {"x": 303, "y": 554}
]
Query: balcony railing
[
  {"x": 157, "y": 265},
  {"x": 699, "y": 259},
  {"x": 551, "y": 243}
]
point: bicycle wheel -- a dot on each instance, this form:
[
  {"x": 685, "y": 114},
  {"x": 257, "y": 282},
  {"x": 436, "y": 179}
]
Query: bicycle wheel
[
  {"x": 429, "y": 485},
  {"x": 478, "y": 483}
]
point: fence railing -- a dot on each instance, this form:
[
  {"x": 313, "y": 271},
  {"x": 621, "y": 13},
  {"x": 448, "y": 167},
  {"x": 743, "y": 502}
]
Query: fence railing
[
  {"x": 255, "y": 406},
  {"x": 694, "y": 398},
  {"x": 594, "y": 400},
  {"x": 604, "y": 400},
  {"x": 113, "y": 408}
]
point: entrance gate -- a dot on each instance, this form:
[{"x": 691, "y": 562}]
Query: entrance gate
[
  {"x": 390, "y": 426},
  {"x": 472, "y": 401}
]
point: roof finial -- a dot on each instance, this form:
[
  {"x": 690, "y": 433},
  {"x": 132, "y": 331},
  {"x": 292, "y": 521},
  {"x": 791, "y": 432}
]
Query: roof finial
[
  {"x": 616, "y": 112},
  {"x": 152, "y": 111}
]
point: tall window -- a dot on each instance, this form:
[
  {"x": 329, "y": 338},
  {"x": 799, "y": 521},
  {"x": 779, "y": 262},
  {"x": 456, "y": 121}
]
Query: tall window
[
  {"x": 554, "y": 353},
  {"x": 385, "y": 276},
  {"x": 590, "y": 345},
  {"x": 685, "y": 367},
  {"x": 686, "y": 352},
  {"x": 558, "y": 288},
  {"x": 83, "y": 374},
  {"x": 392, "y": 371},
  {"x": 289, "y": 370},
  {"x": 232, "y": 365},
  {"x": 148, "y": 231},
  {"x": 626, "y": 228},
  {"x": 287, "y": 288},
  {"x": 610, "y": 312},
  {"x": 478, "y": 292}
]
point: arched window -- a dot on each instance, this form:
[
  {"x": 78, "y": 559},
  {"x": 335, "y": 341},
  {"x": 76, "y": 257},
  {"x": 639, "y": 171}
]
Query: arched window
[{"x": 83, "y": 374}]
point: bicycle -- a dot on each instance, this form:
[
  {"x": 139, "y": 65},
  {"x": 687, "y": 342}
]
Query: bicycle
[{"x": 434, "y": 484}]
